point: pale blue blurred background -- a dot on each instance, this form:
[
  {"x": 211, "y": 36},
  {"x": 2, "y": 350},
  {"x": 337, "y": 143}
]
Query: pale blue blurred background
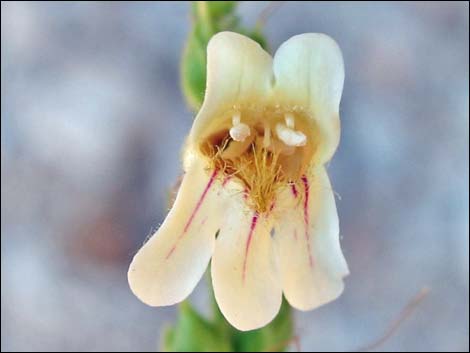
[{"x": 92, "y": 122}]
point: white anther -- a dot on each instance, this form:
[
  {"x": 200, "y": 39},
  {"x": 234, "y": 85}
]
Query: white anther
[
  {"x": 236, "y": 118},
  {"x": 240, "y": 132},
  {"x": 290, "y": 137},
  {"x": 289, "y": 119},
  {"x": 267, "y": 137}
]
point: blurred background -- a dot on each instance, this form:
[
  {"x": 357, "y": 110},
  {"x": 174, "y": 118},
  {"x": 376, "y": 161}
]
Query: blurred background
[{"x": 92, "y": 123}]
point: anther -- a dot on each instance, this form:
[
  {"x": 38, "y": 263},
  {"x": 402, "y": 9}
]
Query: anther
[
  {"x": 290, "y": 137},
  {"x": 240, "y": 132}
]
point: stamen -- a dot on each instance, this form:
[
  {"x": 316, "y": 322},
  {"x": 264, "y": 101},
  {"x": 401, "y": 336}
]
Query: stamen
[
  {"x": 267, "y": 137},
  {"x": 290, "y": 137},
  {"x": 240, "y": 132},
  {"x": 289, "y": 119},
  {"x": 236, "y": 118}
]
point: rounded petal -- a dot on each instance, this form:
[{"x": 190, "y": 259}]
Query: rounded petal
[
  {"x": 245, "y": 272},
  {"x": 168, "y": 267},
  {"x": 239, "y": 71},
  {"x": 312, "y": 263},
  {"x": 309, "y": 72}
]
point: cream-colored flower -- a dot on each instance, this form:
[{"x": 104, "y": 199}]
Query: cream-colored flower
[{"x": 254, "y": 175}]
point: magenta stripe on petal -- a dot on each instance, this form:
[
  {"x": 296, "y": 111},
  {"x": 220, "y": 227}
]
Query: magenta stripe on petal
[
  {"x": 193, "y": 214},
  {"x": 306, "y": 218},
  {"x": 254, "y": 220}
]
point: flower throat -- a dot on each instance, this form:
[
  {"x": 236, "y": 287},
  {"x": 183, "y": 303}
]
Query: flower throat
[{"x": 262, "y": 150}]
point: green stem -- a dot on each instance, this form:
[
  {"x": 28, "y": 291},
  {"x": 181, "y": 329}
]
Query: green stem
[{"x": 203, "y": 13}]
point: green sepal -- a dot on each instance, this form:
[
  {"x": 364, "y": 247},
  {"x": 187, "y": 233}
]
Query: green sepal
[
  {"x": 275, "y": 337},
  {"x": 194, "y": 333}
]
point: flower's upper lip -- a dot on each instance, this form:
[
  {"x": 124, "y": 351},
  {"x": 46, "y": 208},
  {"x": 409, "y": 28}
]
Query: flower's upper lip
[{"x": 307, "y": 71}]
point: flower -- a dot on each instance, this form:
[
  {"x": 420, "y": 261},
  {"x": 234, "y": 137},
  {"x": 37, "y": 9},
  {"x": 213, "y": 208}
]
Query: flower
[{"x": 255, "y": 196}]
